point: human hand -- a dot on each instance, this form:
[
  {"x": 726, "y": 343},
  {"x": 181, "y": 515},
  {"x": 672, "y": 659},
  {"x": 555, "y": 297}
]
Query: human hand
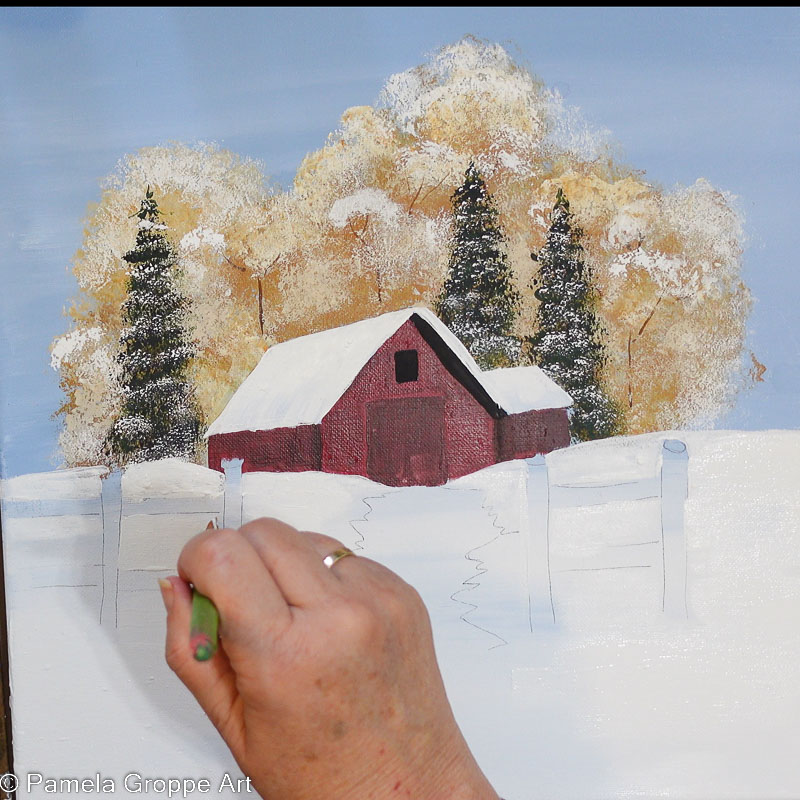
[{"x": 325, "y": 684}]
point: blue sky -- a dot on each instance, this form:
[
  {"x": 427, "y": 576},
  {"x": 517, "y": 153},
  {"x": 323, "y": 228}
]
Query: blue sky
[{"x": 687, "y": 93}]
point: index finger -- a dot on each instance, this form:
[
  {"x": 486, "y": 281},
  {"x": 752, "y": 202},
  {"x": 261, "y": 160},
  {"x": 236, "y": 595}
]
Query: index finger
[{"x": 225, "y": 567}]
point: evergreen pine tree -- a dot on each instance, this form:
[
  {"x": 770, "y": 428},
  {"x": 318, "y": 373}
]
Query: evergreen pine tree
[
  {"x": 478, "y": 301},
  {"x": 159, "y": 418},
  {"x": 567, "y": 344}
]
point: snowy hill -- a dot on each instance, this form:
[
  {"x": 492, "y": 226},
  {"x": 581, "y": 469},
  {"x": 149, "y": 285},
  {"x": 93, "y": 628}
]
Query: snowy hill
[{"x": 610, "y": 698}]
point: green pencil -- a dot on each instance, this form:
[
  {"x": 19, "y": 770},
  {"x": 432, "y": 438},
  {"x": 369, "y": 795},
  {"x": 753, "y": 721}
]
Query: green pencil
[
  {"x": 204, "y": 635},
  {"x": 204, "y": 632}
]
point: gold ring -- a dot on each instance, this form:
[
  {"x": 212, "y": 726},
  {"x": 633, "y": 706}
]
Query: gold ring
[{"x": 336, "y": 555}]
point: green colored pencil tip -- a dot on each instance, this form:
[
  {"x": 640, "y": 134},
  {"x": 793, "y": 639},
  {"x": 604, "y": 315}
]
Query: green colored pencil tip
[
  {"x": 202, "y": 652},
  {"x": 204, "y": 633}
]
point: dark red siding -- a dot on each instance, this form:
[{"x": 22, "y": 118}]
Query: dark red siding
[
  {"x": 462, "y": 444},
  {"x": 278, "y": 450},
  {"x": 531, "y": 432},
  {"x": 405, "y": 441}
]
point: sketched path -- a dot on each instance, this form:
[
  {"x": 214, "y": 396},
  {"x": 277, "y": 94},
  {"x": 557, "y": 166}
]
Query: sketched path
[{"x": 436, "y": 538}]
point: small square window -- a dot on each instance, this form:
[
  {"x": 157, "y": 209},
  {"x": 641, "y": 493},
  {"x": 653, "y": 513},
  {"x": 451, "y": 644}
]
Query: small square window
[{"x": 406, "y": 366}]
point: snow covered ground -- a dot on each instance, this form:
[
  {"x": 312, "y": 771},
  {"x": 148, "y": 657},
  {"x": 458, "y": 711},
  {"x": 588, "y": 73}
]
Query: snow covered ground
[{"x": 612, "y": 699}]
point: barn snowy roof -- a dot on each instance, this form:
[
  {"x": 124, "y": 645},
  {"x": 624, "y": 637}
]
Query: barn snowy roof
[
  {"x": 520, "y": 389},
  {"x": 298, "y": 382}
]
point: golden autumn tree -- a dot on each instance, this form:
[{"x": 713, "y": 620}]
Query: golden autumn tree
[
  {"x": 666, "y": 265},
  {"x": 366, "y": 227},
  {"x": 204, "y": 195}
]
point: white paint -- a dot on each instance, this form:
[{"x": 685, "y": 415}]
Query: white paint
[
  {"x": 147, "y": 225},
  {"x": 202, "y": 236},
  {"x": 668, "y": 271},
  {"x": 79, "y": 483},
  {"x": 152, "y": 530},
  {"x": 674, "y": 491},
  {"x": 468, "y": 67},
  {"x": 85, "y": 702},
  {"x": 503, "y": 486},
  {"x": 111, "y": 520},
  {"x": 570, "y": 131},
  {"x": 64, "y": 347},
  {"x": 626, "y": 227},
  {"x": 521, "y": 389},
  {"x": 232, "y": 508},
  {"x": 512, "y": 162},
  {"x": 364, "y": 202},
  {"x": 299, "y": 381},
  {"x": 616, "y": 700},
  {"x": 607, "y": 461},
  {"x": 295, "y": 498},
  {"x": 153, "y": 542},
  {"x": 537, "y": 538},
  {"x": 171, "y": 478},
  {"x": 55, "y": 551}
]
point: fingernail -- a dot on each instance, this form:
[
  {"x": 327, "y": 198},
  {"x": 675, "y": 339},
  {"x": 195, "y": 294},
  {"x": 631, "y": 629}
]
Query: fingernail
[{"x": 167, "y": 594}]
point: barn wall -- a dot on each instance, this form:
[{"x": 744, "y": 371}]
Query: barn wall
[
  {"x": 277, "y": 450},
  {"x": 468, "y": 427},
  {"x": 531, "y": 432}
]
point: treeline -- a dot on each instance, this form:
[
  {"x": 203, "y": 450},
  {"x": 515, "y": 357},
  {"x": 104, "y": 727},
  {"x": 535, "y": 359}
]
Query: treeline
[{"x": 379, "y": 219}]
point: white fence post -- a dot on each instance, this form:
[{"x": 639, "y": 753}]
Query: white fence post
[
  {"x": 232, "y": 510},
  {"x": 674, "y": 491},
  {"x": 540, "y": 597},
  {"x": 111, "y": 505}
]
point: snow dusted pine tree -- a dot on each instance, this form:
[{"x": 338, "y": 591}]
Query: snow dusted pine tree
[
  {"x": 567, "y": 344},
  {"x": 478, "y": 301},
  {"x": 159, "y": 418}
]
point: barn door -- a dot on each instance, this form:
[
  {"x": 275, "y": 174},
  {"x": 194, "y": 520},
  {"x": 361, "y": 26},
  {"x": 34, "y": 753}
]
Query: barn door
[{"x": 405, "y": 441}]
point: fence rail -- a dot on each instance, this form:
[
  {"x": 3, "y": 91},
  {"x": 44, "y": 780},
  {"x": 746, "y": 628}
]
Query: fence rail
[
  {"x": 142, "y": 535},
  {"x": 564, "y": 495},
  {"x": 664, "y": 550}
]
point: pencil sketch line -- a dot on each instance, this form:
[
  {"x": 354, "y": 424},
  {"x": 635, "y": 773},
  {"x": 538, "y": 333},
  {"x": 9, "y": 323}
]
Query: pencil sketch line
[
  {"x": 359, "y": 543},
  {"x": 634, "y": 544},
  {"x": 604, "y": 569},
  {"x": 472, "y": 583}
]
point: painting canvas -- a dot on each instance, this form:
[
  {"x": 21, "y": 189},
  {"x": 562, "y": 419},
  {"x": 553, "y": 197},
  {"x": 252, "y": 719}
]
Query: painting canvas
[{"x": 501, "y": 298}]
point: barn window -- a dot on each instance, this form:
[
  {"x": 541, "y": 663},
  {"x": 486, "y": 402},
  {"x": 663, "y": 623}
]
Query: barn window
[{"x": 406, "y": 366}]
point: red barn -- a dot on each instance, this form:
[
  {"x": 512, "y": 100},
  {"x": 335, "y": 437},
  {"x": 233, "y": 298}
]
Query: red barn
[{"x": 396, "y": 398}]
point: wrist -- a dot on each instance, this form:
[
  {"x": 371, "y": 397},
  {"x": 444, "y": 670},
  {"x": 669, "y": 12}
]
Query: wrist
[
  {"x": 438, "y": 770},
  {"x": 458, "y": 777}
]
